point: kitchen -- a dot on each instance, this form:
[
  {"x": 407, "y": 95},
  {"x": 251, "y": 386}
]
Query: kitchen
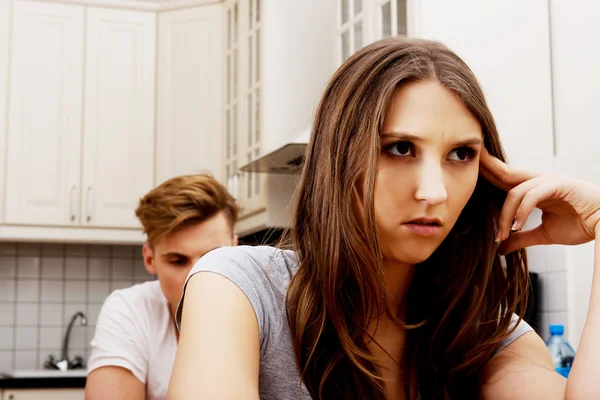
[{"x": 102, "y": 99}]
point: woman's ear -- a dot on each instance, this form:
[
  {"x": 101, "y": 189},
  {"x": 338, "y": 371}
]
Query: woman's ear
[{"x": 149, "y": 260}]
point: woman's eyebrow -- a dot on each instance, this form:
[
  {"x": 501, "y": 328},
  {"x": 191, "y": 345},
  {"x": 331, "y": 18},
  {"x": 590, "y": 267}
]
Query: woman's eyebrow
[{"x": 475, "y": 140}]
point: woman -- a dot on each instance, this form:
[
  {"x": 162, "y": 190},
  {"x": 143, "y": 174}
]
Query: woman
[{"x": 398, "y": 289}]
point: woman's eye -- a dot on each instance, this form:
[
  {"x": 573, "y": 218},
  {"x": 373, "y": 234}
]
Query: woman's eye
[
  {"x": 402, "y": 149},
  {"x": 462, "y": 154}
]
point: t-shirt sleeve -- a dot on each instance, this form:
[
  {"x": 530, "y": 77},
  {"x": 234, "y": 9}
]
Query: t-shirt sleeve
[
  {"x": 119, "y": 340},
  {"x": 521, "y": 329},
  {"x": 246, "y": 267}
]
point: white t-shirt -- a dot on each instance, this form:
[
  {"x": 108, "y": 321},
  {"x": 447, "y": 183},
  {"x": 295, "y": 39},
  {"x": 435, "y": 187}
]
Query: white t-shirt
[{"x": 135, "y": 331}]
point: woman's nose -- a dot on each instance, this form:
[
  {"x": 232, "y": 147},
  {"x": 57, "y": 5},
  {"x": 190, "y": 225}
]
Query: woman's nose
[{"x": 430, "y": 184}]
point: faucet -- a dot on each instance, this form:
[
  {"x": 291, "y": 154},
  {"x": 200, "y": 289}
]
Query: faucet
[{"x": 64, "y": 363}]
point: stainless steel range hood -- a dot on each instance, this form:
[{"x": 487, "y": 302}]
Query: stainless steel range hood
[{"x": 287, "y": 159}]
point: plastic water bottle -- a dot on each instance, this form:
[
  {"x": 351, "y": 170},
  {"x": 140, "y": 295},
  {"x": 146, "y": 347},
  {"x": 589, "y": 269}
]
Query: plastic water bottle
[{"x": 562, "y": 353}]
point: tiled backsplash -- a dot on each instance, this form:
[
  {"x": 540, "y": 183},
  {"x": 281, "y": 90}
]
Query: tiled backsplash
[{"x": 43, "y": 285}]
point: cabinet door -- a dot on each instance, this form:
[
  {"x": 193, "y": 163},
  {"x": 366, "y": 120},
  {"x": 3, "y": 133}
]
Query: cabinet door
[
  {"x": 118, "y": 140},
  {"x": 45, "y": 105},
  {"x": 44, "y": 394},
  {"x": 190, "y": 76},
  {"x": 4, "y": 41}
]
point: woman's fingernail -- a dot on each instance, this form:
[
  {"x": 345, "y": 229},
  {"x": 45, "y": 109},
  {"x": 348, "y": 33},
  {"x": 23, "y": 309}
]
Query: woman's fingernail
[
  {"x": 515, "y": 226},
  {"x": 498, "y": 239}
]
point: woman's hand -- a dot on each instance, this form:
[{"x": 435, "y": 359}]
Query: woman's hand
[{"x": 570, "y": 207}]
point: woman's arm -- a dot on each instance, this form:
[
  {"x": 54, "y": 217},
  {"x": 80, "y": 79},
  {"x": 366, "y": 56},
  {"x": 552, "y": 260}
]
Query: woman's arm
[
  {"x": 218, "y": 354},
  {"x": 584, "y": 379},
  {"x": 524, "y": 370}
]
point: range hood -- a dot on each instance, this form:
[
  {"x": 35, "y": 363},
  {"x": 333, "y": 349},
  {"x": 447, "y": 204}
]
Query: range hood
[{"x": 287, "y": 159}]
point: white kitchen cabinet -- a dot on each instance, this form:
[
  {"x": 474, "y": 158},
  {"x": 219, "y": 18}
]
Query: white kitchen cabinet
[
  {"x": 118, "y": 135},
  {"x": 190, "y": 92},
  {"x": 43, "y": 394},
  {"x": 271, "y": 96},
  {"x": 361, "y": 22},
  {"x": 45, "y": 105},
  {"x": 5, "y": 23}
]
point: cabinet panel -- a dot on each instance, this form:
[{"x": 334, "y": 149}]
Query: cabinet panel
[
  {"x": 5, "y": 23},
  {"x": 118, "y": 140},
  {"x": 44, "y": 394},
  {"x": 44, "y": 127},
  {"x": 190, "y": 76}
]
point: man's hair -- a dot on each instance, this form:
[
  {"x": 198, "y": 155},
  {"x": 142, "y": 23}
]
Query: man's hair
[{"x": 183, "y": 201}]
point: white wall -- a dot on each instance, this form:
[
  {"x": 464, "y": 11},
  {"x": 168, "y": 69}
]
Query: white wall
[{"x": 576, "y": 78}]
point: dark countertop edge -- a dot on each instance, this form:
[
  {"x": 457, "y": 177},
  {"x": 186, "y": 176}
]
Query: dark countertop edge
[{"x": 70, "y": 382}]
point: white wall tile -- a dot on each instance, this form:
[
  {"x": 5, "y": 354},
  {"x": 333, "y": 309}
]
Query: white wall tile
[
  {"x": 26, "y": 359},
  {"x": 76, "y": 268},
  {"x": 120, "y": 284},
  {"x": 124, "y": 251},
  {"x": 99, "y": 251},
  {"x": 554, "y": 291},
  {"x": 536, "y": 259},
  {"x": 91, "y": 331},
  {"x": 99, "y": 268},
  {"x": 7, "y": 289},
  {"x": 557, "y": 258},
  {"x": 28, "y": 314},
  {"x": 26, "y": 338},
  {"x": 53, "y": 267},
  {"x": 70, "y": 309},
  {"x": 52, "y": 291},
  {"x": 53, "y": 250},
  {"x": 75, "y": 291},
  {"x": 28, "y": 267},
  {"x": 7, "y": 314},
  {"x": 8, "y": 267},
  {"x": 29, "y": 249},
  {"x": 7, "y": 336},
  {"x": 76, "y": 250},
  {"x": 8, "y": 249},
  {"x": 28, "y": 290},
  {"x": 93, "y": 311},
  {"x": 77, "y": 340},
  {"x": 139, "y": 271},
  {"x": 6, "y": 360},
  {"x": 51, "y": 338},
  {"x": 51, "y": 314},
  {"x": 98, "y": 290},
  {"x": 122, "y": 268}
]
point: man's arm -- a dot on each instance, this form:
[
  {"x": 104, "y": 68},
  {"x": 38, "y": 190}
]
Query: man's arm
[
  {"x": 113, "y": 383},
  {"x": 118, "y": 360}
]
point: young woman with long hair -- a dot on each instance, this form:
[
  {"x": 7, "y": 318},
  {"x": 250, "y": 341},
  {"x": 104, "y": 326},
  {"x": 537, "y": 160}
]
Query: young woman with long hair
[{"x": 395, "y": 286}]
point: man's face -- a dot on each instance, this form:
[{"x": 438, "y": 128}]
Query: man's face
[{"x": 173, "y": 255}]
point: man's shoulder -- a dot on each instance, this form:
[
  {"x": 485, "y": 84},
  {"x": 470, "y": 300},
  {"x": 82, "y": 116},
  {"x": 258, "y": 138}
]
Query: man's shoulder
[{"x": 143, "y": 297}]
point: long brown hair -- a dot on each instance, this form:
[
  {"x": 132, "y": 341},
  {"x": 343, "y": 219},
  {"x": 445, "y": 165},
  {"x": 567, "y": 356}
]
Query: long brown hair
[{"x": 461, "y": 299}]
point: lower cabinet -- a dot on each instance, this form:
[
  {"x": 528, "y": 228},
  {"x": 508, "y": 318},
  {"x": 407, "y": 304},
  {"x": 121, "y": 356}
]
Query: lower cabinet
[{"x": 43, "y": 394}]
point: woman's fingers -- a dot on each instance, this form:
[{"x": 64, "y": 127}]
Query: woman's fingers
[
  {"x": 500, "y": 174},
  {"x": 523, "y": 239},
  {"x": 513, "y": 211}
]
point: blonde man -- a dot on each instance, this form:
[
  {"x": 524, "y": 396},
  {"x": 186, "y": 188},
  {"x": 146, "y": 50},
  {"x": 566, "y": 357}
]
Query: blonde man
[{"x": 136, "y": 338}]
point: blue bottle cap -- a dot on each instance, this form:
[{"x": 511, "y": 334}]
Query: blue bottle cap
[{"x": 557, "y": 329}]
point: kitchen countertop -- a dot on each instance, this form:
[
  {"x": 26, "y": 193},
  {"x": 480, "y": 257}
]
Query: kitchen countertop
[{"x": 62, "y": 382}]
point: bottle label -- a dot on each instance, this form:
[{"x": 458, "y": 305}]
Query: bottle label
[{"x": 564, "y": 371}]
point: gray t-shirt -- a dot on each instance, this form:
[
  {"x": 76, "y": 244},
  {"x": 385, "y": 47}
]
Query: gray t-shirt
[{"x": 263, "y": 275}]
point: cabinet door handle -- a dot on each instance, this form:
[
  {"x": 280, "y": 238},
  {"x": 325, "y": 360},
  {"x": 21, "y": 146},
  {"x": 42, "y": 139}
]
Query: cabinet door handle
[
  {"x": 89, "y": 204},
  {"x": 73, "y": 203}
]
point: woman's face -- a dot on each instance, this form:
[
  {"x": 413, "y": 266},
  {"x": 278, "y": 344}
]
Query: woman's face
[{"x": 428, "y": 169}]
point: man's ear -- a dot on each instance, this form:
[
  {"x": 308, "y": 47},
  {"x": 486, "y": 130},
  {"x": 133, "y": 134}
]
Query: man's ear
[
  {"x": 235, "y": 240},
  {"x": 149, "y": 261}
]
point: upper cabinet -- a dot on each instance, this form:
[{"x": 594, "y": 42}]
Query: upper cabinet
[
  {"x": 361, "y": 22},
  {"x": 118, "y": 134},
  {"x": 80, "y": 139},
  {"x": 271, "y": 96},
  {"x": 45, "y": 107},
  {"x": 190, "y": 92}
]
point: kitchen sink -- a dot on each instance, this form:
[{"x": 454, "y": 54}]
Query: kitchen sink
[{"x": 46, "y": 373}]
